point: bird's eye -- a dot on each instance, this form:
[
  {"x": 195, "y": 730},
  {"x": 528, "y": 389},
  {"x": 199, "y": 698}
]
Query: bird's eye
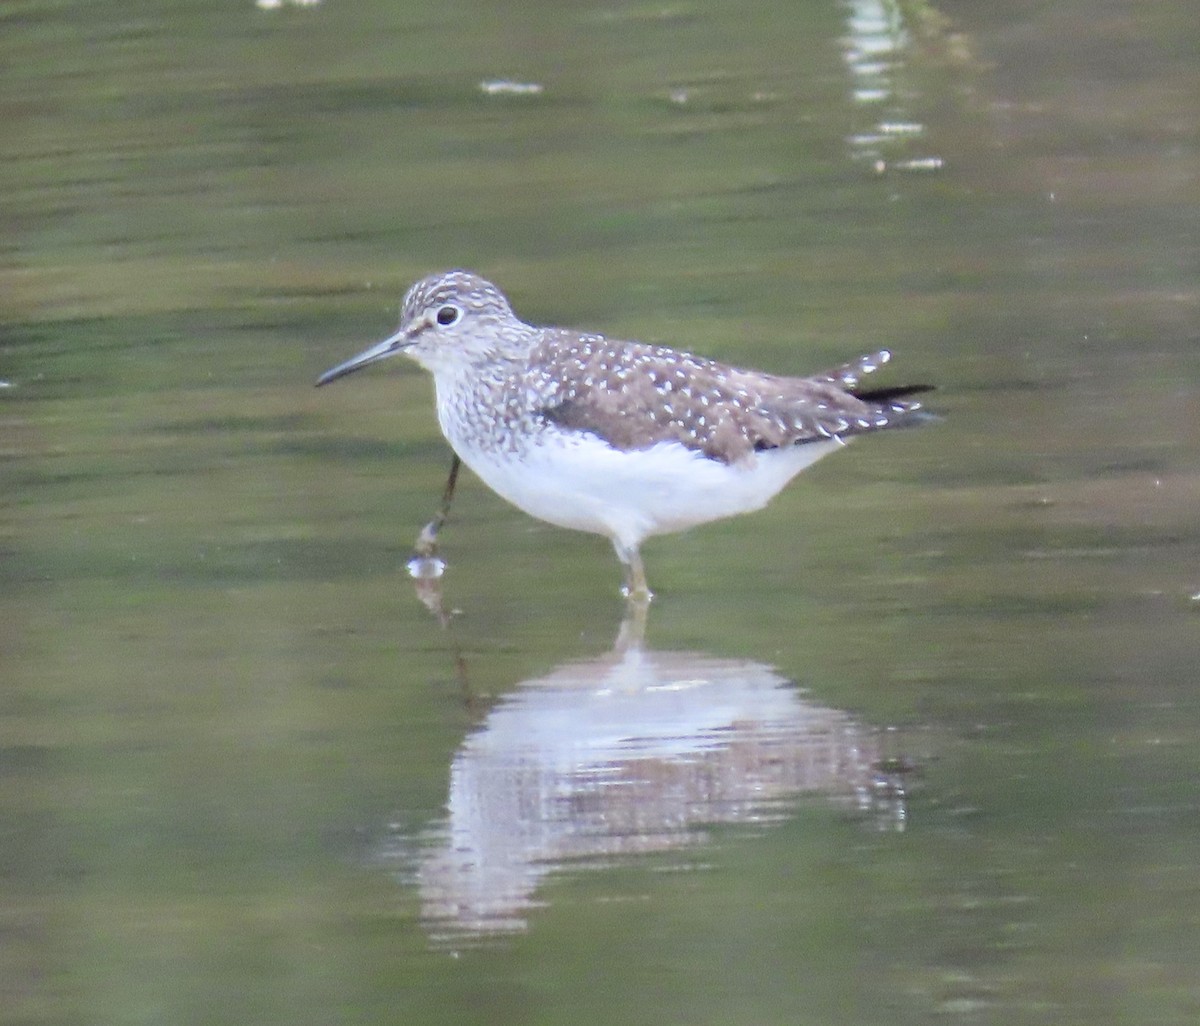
[{"x": 447, "y": 315}]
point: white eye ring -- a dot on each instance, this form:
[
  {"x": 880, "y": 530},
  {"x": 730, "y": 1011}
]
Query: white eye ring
[{"x": 448, "y": 315}]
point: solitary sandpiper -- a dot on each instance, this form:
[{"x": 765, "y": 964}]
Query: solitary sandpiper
[{"x": 622, "y": 439}]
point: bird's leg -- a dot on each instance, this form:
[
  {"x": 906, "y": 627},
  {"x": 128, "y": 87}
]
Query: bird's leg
[
  {"x": 426, "y": 566},
  {"x": 632, "y": 634},
  {"x": 635, "y": 588},
  {"x": 425, "y": 557}
]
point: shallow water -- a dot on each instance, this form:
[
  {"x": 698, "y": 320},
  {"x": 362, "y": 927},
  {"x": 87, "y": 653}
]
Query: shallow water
[{"x": 917, "y": 741}]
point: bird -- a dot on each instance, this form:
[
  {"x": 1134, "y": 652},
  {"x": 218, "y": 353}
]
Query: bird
[{"x": 619, "y": 438}]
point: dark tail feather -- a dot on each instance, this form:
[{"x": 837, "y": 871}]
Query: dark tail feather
[{"x": 884, "y": 396}]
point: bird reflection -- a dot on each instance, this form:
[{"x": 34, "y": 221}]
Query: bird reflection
[{"x": 636, "y": 751}]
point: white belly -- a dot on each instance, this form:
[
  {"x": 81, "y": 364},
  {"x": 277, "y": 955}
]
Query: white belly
[{"x": 578, "y": 481}]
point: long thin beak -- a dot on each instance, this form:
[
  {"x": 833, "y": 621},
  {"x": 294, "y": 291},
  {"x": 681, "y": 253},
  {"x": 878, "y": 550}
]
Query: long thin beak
[{"x": 380, "y": 351}]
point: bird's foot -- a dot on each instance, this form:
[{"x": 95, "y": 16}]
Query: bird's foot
[
  {"x": 637, "y": 596},
  {"x": 425, "y": 563},
  {"x": 635, "y": 589}
]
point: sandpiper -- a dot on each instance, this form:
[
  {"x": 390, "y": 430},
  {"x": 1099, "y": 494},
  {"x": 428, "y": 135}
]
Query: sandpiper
[{"x": 623, "y": 439}]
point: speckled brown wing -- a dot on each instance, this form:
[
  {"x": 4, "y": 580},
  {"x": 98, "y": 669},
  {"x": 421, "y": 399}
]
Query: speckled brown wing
[{"x": 634, "y": 395}]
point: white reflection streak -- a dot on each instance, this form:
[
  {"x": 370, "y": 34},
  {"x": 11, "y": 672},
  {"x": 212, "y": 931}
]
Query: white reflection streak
[
  {"x": 876, "y": 46},
  {"x": 875, "y": 43}
]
